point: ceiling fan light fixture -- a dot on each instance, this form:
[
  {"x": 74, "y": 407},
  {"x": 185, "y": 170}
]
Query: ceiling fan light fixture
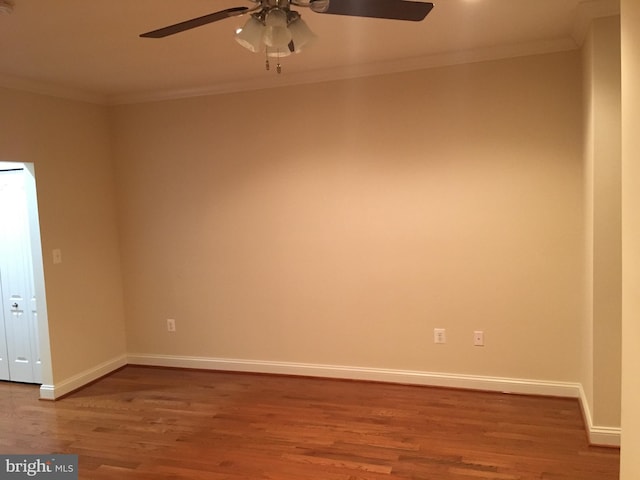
[
  {"x": 275, "y": 17},
  {"x": 276, "y": 34},
  {"x": 277, "y": 52},
  {"x": 251, "y": 35},
  {"x": 277, "y": 37},
  {"x": 301, "y": 34}
]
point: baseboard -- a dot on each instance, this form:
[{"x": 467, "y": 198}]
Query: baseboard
[
  {"x": 52, "y": 392},
  {"x": 475, "y": 382},
  {"x": 598, "y": 435}
]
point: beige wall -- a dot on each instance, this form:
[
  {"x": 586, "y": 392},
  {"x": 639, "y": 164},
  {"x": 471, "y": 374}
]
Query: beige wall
[
  {"x": 630, "y": 462},
  {"x": 339, "y": 223},
  {"x": 603, "y": 220},
  {"x": 69, "y": 144}
]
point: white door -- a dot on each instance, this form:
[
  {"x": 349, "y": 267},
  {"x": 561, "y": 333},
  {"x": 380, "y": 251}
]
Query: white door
[
  {"x": 19, "y": 312},
  {"x": 4, "y": 357}
]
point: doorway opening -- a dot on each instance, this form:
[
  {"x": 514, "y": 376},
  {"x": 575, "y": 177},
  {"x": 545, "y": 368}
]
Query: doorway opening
[{"x": 24, "y": 336}]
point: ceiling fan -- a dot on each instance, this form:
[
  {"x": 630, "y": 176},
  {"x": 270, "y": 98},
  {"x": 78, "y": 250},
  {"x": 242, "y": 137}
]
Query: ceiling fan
[{"x": 278, "y": 31}]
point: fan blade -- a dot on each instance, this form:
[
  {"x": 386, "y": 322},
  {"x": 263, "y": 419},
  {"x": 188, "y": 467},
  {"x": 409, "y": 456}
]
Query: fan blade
[
  {"x": 390, "y": 9},
  {"x": 195, "y": 22}
]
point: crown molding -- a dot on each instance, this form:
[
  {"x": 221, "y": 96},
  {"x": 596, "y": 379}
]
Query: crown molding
[
  {"x": 355, "y": 71},
  {"x": 302, "y": 78},
  {"x": 51, "y": 90},
  {"x": 588, "y": 11}
]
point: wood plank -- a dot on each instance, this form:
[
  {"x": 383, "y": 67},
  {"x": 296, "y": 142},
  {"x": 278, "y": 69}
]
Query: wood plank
[{"x": 150, "y": 423}]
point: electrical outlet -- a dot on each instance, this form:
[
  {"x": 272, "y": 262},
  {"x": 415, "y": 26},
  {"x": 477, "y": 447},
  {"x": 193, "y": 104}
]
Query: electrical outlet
[
  {"x": 171, "y": 325},
  {"x": 439, "y": 335},
  {"x": 478, "y": 338}
]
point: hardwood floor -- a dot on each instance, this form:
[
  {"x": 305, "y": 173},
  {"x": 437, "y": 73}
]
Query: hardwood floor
[{"x": 147, "y": 423}]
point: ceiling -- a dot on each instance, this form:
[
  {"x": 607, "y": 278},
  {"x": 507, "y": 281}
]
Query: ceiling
[{"x": 91, "y": 49}]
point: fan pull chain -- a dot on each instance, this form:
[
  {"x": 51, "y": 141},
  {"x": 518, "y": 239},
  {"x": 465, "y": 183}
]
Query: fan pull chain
[{"x": 267, "y": 65}]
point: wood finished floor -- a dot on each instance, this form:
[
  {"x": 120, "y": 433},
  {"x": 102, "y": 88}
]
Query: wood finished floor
[{"x": 146, "y": 423}]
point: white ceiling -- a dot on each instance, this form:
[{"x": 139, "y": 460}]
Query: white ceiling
[{"x": 91, "y": 49}]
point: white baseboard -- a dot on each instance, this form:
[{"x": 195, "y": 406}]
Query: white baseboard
[
  {"x": 598, "y": 435},
  {"x": 475, "y": 382},
  {"x": 51, "y": 392}
]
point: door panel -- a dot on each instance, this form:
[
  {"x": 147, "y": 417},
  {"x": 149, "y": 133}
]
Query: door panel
[
  {"x": 4, "y": 357},
  {"x": 16, "y": 276}
]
